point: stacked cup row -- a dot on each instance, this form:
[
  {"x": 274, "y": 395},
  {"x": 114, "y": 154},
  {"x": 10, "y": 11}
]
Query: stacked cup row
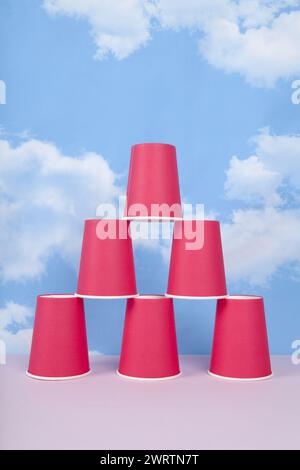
[
  {"x": 107, "y": 264},
  {"x": 149, "y": 347}
]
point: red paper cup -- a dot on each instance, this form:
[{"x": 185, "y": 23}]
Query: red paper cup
[
  {"x": 59, "y": 345},
  {"x": 106, "y": 266},
  {"x": 240, "y": 347},
  {"x": 197, "y": 266},
  {"x": 149, "y": 347},
  {"x": 153, "y": 187}
]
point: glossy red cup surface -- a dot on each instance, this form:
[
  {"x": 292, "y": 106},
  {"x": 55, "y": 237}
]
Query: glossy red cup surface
[
  {"x": 149, "y": 346},
  {"x": 59, "y": 344},
  {"x": 240, "y": 345}
]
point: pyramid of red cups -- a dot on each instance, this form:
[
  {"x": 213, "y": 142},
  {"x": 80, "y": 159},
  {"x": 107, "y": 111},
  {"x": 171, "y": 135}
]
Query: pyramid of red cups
[{"x": 149, "y": 351}]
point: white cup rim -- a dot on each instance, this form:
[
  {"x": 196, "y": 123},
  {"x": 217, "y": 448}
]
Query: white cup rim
[
  {"x": 151, "y": 297},
  {"x": 243, "y": 297},
  {"x": 57, "y": 296}
]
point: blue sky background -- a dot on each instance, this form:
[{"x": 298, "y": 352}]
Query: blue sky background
[{"x": 165, "y": 91}]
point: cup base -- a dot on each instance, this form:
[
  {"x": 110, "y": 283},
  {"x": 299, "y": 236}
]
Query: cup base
[
  {"x": 239, "y": 379},
  {"x": 70, "y": 377},
  {"x": 195, "y": 297},
  {"x": 149, "y": 379},
  {"x": 83, "y": 296}
]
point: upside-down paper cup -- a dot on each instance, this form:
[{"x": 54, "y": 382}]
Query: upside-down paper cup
[
  {"x": 106, "y": 265},
  {"x": 197, "y": 266},
  {"x": 153, "y": 185},
  {"x": 59, "y": 343},
  {"x": 149, "y": 346},
  {"x": 240, "y": 347}
]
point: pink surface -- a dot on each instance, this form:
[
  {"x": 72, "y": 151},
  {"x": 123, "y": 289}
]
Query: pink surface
[
  {"x": 240, "y": 346},
  {"x": 149, "y": 346},
  {"x": 104, "y": 411}
]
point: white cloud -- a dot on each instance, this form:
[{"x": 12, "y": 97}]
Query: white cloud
[
  {"x": 118, "y": 27},
  {"x": 250, "y": 181},
  {"x": 255, "y": 38},
  {"x": 254, "y": 13},
  {"x": 280, "y": 153},
  {"x": 45, "y": 196},
  {"x": 258, "y": 241},
  {"x": 258, "y": 39},
  {"x": 14, "y": 327},
  {"x": 262, "y": 55},
  {"x": 270, "y": 176}
]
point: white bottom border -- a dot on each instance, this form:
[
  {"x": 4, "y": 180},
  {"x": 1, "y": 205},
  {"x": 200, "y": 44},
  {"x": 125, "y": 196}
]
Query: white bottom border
[
  {"x": 83, "y": 296},
  {"x": 239, "y": 379},
  {"x": 147, "y": 379},
  {"x": 195, "y": 297},
  {"x": 70, "y": 377}
]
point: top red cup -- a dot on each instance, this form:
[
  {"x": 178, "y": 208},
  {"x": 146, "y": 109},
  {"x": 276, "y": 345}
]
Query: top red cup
[{"x": 153, "y": 187}]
